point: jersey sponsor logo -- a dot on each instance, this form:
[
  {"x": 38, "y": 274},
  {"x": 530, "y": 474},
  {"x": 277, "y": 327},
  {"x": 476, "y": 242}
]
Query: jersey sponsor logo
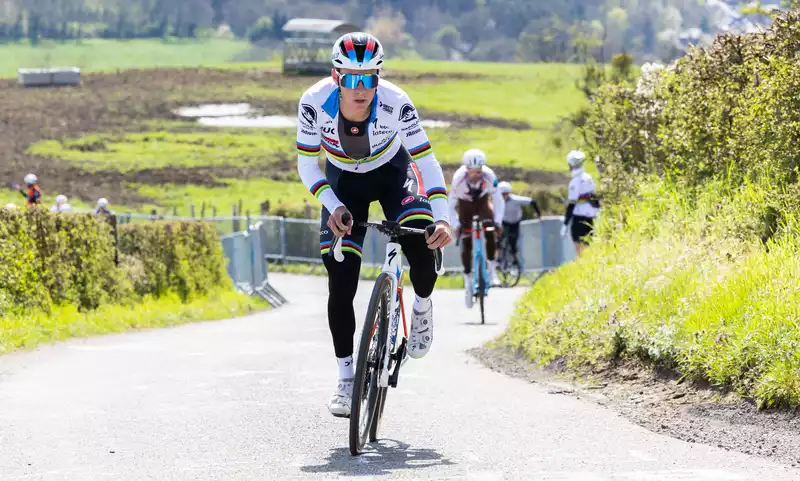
[
  {"x": 408, "y": 113},
  {"x": 307, "y": 132},
  {"x": 381, "y": 132},
  {"x": 407, "y": 200},
  {"x": 309, "y": 114},
  {"x": 387, "y": 108},
  {"x": 413, "y": 132},
  {"x": 330, "y": 140}
]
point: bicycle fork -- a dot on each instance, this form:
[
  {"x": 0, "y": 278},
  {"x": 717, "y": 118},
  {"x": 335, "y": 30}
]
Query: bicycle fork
[{"x": 393, "y": 267}]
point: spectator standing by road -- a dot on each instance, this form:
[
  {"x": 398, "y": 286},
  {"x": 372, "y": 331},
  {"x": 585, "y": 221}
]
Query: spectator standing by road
[{"x": 31, "y": 192}]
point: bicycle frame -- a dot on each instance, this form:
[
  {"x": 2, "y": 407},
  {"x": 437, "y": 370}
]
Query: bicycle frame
[
  {"x": 478, "y": 258},
  {"x": 393, "y": 266}
]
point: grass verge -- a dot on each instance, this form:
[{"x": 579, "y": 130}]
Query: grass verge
[
  {"x": 683, "y": 283},
  {"x": 35, "y": 328}
]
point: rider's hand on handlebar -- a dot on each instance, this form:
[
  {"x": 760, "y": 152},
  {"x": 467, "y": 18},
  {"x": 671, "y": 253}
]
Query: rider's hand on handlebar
[
  {"x": 336, "y": 224},
  {"x": 440, "y": 236}
]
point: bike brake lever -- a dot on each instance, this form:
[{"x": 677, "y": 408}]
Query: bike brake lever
[
  {"x": 336, "y": 248},
  {"x": 438, "y": 257}
]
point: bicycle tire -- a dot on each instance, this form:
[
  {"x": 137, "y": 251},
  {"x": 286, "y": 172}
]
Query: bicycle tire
[
  {"x": 481, "y": 290},
  {"x": 376, "y": 422},
  {"x": 379, "y": 303}
]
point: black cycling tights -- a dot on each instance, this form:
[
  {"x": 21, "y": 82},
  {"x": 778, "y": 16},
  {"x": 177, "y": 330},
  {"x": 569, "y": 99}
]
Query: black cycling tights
[
  {"x": 396, "y": 185},
  {"x": 343, "y": 282}
]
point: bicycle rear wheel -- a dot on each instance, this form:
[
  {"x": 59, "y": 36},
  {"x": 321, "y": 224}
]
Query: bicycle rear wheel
[
  {"x": 509, "y": 267},
  {"x": 371, "y": 350}
]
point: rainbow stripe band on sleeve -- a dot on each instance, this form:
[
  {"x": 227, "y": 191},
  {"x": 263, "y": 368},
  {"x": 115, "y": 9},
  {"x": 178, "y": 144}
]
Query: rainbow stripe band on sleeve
[
  {"x": 420, "y": 151},
  {"x": 307, "y": 150},
  {"x": 347, "y": 246},
  {"x": 320, "y": 187},
  {"x": 437, "y": 193},
  {"x": 415, "y": 214}
]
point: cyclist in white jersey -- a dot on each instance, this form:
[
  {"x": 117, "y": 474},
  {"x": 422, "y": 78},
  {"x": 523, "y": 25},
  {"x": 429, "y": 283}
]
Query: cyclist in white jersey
[
  {"x": 584, "y": 204},
  {"x": 376, "y": 150},
  {"x": 474, "y": 192},
  {"x": 512, "y": 214}
]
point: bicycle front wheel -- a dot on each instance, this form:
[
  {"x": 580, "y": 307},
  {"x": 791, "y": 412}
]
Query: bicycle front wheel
[
  {"x": 481, "y": 292},
  {"x": 371, "y": 351}
]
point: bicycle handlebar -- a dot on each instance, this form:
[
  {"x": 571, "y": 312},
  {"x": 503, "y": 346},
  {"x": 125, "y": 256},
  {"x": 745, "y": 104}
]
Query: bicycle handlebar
[{"x": 391, "y": 229}]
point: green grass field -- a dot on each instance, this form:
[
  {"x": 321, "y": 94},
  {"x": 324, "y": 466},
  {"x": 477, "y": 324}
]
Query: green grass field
[
  {"x": 98, "y": 55},
  {"x": 258, "y": 164}
]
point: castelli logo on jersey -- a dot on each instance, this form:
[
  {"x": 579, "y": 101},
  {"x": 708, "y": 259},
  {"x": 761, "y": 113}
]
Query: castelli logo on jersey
[
  {"x": 353, "y": 130},
  {"x": 407, "y": 200}
]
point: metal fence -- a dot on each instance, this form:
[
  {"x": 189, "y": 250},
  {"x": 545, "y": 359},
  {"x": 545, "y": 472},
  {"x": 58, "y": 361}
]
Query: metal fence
[
  {"x": 541, "y": 247},
  {"x": 288, "y": 240}
]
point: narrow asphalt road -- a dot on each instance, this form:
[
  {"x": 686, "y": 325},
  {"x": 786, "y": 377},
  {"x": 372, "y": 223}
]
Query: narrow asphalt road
[{"x": 246, "y": 399}]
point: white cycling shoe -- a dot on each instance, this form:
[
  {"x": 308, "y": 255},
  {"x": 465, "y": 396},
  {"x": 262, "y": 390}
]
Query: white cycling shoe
[
  {"x": 468, "y": 290},
  {"x": 495, "y": 281},
  {"x": 339, "y": 404},
  {"x": 421, "y": 332}
]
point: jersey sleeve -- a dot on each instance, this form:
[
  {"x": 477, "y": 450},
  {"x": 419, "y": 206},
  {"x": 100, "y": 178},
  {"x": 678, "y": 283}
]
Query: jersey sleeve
[
  {"x": 308, "y": 149},
  {"x": 497, "y": 197},
  {"x": 452, "y": 200},
  {"x": 520, "y": 198},
  {"x": 416, "y": 141}
]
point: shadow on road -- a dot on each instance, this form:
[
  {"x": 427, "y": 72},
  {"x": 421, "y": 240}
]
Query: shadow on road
[{"x": 381, "y": 457}]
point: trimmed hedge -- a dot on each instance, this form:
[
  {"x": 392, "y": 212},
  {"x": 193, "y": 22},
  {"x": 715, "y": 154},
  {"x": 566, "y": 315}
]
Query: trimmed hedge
[{"x": 49, "y": 259}]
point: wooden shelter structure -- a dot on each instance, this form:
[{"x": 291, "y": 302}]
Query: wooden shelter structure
[{"x": 308, "y": 42}]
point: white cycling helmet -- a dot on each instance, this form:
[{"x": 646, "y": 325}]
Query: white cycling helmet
[
  {"x": 31, "y": 179},
  {"x": 504, "y": 187},
  {"x": 102, "y": 202},
  {"x": 357, "y": 51},
  {"x": 575, "y": 159},
  {"x": 474, "y": 159},
  {"x": 61, "y": 199}
]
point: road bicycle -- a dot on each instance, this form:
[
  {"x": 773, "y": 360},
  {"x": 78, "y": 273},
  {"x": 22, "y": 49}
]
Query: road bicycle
[
  {"x": 508, "y": 265},
  {"x": 380, "y": 352},
  {"x": 480, "y": 277}
]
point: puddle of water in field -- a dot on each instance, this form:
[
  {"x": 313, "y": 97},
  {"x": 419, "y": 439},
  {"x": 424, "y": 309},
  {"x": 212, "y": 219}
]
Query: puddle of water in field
[{"x": 236, "y": 115}]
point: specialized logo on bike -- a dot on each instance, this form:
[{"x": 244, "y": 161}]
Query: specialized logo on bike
[
  {"x": 407, "y": 200},
  {"x": 391, "y": 255}
]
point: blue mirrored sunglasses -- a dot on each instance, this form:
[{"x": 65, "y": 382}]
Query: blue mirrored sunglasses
[{"x": 351, "y": 81}]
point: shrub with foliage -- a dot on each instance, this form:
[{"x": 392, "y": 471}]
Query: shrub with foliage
[
  {"x": 51, "y": 259},
  {"x": 694, "y": 265}
]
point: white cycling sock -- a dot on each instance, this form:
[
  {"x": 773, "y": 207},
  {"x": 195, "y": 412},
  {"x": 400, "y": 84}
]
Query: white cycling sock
[
  {"x": 346, "y": 368},
  {"x": 421, "y": 304}
]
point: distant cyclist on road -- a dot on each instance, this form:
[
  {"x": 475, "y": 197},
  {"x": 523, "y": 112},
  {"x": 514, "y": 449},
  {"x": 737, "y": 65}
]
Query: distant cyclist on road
[
  {"x": 512, "y": 214},
  {"x": 376, "y": 150},
  {"x": 583, "y": 204},
  {"x": 474, "y": 192}
]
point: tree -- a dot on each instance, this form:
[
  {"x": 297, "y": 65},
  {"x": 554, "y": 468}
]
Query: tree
[{"x": 449, "y": 38}]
